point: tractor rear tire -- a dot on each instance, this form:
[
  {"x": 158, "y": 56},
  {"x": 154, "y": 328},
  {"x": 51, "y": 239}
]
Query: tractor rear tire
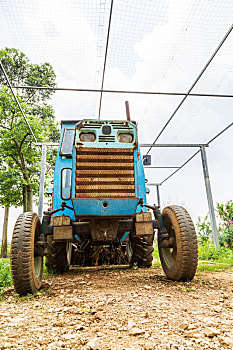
[
  {"x": 58, "y": 255},
  {"x": 179, "y": 262},
  {"x": 139, "y": 252},
  {"x": 26, "y": 257}
]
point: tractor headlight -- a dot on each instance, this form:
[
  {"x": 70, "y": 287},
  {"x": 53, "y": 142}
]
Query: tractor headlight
[
  {"x": 87, "y": 137},
  {"x": 125, "y": 138}
]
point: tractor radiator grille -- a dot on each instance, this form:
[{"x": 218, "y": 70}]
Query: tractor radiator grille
[{"x": 104, "y": 172}]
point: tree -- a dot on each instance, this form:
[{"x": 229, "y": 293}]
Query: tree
[
  {"x": 225, "y": 230},
  {"x": 19, "y": 156},
  {"x": 21, "y": 72},
  {"x": 225, "y": 212}
]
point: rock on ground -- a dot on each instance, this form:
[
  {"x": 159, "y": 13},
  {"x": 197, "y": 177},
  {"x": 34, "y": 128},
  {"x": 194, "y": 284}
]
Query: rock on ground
[{"x": 120, "y": 308}]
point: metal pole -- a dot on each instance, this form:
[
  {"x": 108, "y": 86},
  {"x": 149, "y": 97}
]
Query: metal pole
[
  {"x": 158, "y": 196},
  {"x": 42, "y": 181},
  {"x": 209, "y": 197},
  {"x": 161, "y": 167},
  {"x": 172, "y": 145}
]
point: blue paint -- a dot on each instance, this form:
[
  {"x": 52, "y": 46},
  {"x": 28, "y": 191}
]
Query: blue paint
[
  {"x": 61, "y": 163},
  {"x": 124, "y": 236},
  {"x": 96, "y": 206},
  {"x": 139, "y": 178},
  {"x": 78, "y": 238}
]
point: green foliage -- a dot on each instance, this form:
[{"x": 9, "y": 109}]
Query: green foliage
[
  {"x": 218, "y": 260},
  {"x": 5, "y": 274},
  {"x": 47, "y": 273},
  {"x": 204, "y": 229},
  {"x": 21, "y": 72},
  {"x": 207, "y": 251},
  {"x": 225, "y": 212},
  {"x": 156, "y": 259},
  {"x": 19, "y": 156},
  {"x": 225, "y": 230},
  {"x": 226, "y": 236}
]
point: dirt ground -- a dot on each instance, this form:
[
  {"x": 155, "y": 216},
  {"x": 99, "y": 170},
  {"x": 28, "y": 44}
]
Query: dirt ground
[{"x": 121, "y": 308}]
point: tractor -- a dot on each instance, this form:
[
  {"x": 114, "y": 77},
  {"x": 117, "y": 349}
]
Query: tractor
[{"x": 99, "y": 212}]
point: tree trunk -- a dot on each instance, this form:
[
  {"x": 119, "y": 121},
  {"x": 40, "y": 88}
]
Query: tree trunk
[
  {"x": 24, "y": 198},
  {"x": 29, "y": 198},
  {"x": 4, "y": 234}
]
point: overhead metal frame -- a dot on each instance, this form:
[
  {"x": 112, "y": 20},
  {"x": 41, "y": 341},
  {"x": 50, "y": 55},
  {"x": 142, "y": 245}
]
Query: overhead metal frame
[
  {"x": 206, "y": 145},
  {"x": 105, "y": 57},
  {"x": 206, "y": 177},
  {"x": 209, "y": 197},
  {"x": 163, "y": 93},
  {"x": 202, "y": 147},
  {"x": 194, "y": 83}
]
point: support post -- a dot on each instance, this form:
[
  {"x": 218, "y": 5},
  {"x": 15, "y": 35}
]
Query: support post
[
  {"x": 158, "y": 196},
  {"x": 42, "y": 181},
  {"x": 209, "y": 197}
]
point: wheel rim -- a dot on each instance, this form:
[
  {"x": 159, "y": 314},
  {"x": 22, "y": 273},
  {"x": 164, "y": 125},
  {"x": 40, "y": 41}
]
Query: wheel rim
[
  {"x": 129, "y": 249},
  {"x": 69, "y": 252},
  {"x": 37, "y": 265},
  {"x": 170, "y": 254},
  {"x": 38, "y": 260}
]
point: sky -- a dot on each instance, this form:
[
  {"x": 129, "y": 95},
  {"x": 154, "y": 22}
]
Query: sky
[{"x": 153, "y": 46}]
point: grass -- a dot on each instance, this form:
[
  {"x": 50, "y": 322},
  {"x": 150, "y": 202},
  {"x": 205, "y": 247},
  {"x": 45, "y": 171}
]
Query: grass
[
  {"x": 212, "y": 260},
  {"x": 156, "y": 260},
  {"x": 47, "y": 273},
  {"x": 206, "y": 266},
  {"x": 209, "y": 259},
  {"x": 5, "y": 273}
]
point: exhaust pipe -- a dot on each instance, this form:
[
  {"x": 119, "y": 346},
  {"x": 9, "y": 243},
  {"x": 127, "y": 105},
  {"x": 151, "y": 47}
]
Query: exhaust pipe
[{"x": 127, "y": 110}]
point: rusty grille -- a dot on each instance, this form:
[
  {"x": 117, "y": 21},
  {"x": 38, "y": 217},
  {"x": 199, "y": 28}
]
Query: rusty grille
[{"x": 104, "y": 172}]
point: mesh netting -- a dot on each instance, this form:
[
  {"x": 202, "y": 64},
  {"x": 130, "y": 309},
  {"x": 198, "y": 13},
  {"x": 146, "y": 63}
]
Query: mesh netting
[{"x": 153, "y": 46}]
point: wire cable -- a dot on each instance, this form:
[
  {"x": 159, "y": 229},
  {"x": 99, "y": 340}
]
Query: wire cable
[
  {"x": 17, "y": 101},
  {"x": 105, "y": 57},
  {"x": 122, "y": 91},
  {"x": 187, "y": 161},
  {"x": 194, "y": 84}
]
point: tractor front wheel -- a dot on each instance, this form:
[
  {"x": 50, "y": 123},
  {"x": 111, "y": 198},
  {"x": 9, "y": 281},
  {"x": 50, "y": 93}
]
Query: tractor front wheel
[
  {"x": 178, "y": 249},
  {"x": 139, "y": 252},
  {"x": 26, "y": 256}
]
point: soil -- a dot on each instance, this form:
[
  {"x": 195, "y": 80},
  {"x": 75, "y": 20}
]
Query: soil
[{"x": 121, "y": 308}]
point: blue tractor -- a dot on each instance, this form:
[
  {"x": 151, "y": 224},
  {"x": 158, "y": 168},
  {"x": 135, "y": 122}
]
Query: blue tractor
[{"x": 99, "y": 212}]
